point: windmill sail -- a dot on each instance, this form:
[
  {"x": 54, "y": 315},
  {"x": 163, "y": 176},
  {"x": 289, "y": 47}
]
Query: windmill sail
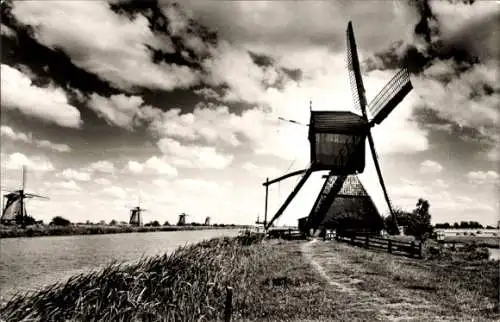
[
  {"x": 390, "y": 96},
  {"x": 357, "y": 88}
]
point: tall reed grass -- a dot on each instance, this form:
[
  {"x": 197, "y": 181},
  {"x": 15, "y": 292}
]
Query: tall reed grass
[{"x": 187, "y": 285}]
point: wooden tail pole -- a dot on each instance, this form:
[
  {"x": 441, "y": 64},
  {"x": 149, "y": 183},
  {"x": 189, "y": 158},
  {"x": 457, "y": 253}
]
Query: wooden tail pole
[
  {"x": 265, "y": 205},
  {"x": 228, "y": 310},
  {"x": 292, "y": 195}
]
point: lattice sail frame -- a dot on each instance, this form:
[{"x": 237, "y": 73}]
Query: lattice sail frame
[{"x": 353, "y": 69}]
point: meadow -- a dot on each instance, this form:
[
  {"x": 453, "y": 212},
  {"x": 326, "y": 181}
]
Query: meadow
[{"x": 272, "y": 281}]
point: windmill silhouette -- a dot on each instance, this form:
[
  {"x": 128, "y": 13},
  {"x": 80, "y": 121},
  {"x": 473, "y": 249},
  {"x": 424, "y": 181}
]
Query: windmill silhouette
[
  {"x": 182, "y": 219},
  {"x": 136, "y": 213},
  {"x": 14, "y": 210},
  {"x": 337, "y": 144}
]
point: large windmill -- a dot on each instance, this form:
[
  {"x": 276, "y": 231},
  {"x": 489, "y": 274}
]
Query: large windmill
[
  {"x": 337, "y": 144},
  {"x": 136, "y": 213},
  {"x": 14, "y": 210}
]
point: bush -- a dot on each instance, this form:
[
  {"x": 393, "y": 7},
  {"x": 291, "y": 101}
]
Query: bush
[
  {"x": 433, "y": 250},
  {"x": 60, "y": 221},
  {"x": 472, "y": 252}
]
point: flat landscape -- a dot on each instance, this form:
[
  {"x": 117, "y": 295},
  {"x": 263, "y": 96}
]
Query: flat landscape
[
  {"x": 273, "y": 281},
  {"x": 47, "y": 230}
]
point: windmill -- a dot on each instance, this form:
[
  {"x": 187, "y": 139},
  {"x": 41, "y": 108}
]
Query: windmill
[
  {"x": 337, "y": 144},
  {"x": 136, "y": 213},
  {"x": 182, "y": 219},
  {"x": 14, "y": 210},
  {"x": 207, "y": 221}
]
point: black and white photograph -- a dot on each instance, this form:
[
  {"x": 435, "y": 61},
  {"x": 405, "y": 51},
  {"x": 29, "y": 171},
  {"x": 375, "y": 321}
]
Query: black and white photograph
[{"x": 247, "y": 160}]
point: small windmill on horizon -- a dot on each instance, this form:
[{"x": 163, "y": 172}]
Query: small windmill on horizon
[
  {"x": 337, "y": 144},
  {"x": 136, "y": 213},
  {"x": 14, "y": 209},
  {"x": 182, "y": 219}
]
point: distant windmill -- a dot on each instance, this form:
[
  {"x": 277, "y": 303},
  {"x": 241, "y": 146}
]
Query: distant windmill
[
  {"x": 207, "y": 221},
  {"x": 182, "y": 219},
  {"x": 337, "y": 144},
  {"x": 136, "y": 213},
  {"x": 14, "y": 210}
]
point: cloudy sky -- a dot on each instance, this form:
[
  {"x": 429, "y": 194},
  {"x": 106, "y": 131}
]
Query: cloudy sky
[{"x": 180, "y": 103}]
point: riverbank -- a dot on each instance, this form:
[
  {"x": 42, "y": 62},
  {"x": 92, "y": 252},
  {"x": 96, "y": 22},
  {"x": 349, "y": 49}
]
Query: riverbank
[
  {"x": 47, "y": 230},
  {"x": 273, "y": 280}
]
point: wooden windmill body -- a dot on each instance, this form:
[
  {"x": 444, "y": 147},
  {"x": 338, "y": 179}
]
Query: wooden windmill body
[
  {"x": 14, "y": 210},
  {"x": 337, "y": 144}
]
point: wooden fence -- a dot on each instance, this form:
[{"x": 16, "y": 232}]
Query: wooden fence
[{"x": 413, "y": 249}]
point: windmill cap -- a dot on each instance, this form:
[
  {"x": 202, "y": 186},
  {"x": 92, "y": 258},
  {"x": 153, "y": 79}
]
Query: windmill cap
[{"x": 338, "y": 122}]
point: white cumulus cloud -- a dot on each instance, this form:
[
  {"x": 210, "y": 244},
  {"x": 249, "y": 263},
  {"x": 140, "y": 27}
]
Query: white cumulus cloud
[{"x": 46, "y": 103}]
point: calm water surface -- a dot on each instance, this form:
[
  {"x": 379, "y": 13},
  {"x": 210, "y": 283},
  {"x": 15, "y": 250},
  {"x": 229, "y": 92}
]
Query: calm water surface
[
  {"x": 494, "y": 253},
  {"x": 30, "y": 263}
]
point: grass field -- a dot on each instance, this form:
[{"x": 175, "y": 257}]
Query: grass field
[
  {"x": 46, "y": 230},
  {"x": 493, "y": 242},
  {"x": 272, "y": 281}
]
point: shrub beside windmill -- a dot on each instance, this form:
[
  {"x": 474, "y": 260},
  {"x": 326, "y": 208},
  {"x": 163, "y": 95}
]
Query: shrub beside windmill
[
  {"x": 337, "y": 144},
  {"x": 14, "y": 210}
]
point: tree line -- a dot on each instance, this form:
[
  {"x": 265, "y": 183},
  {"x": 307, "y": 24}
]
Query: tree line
[{"x": 463, "y": 225}]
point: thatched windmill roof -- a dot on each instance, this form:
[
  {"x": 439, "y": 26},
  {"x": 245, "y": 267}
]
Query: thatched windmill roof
[{"x": 353, "y": 208}]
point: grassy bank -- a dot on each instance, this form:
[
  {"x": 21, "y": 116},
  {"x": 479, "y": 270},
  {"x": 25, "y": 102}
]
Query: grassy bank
[
  {"x": 272, "y": 281},
  {"x": 46, "y": 230}
]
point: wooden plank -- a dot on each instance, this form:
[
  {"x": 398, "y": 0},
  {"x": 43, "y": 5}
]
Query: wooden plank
[{"x": 288, "y": 175}]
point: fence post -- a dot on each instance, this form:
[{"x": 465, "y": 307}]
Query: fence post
[
  {"x": 389, "y": 246},
  {"x": 352, "y": 240},
  {"x": 228, "y": 310},
  {"x": 412, "y": 248},
  {"x": 366, "y": 241},
  {"x": 420, "y": 250}
]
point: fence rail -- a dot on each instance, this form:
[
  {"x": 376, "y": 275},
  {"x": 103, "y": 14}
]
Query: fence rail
[{"x": 413, "y": 249}]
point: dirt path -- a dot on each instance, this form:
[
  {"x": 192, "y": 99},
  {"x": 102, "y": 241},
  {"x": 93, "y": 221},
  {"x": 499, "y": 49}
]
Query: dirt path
[{"x": 386, "y": 301}]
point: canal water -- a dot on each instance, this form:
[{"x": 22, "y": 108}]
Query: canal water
[
  {"x": 30, "y": 263},
  {"x": 494, "y": 253}
]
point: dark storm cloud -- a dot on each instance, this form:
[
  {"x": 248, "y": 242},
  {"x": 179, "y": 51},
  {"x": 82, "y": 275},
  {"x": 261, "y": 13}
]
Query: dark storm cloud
[
  {"x": 430, "y": 119},
  {"x": 159, "y": 22},
  {"x": 170, "y": 56},
  {"x": 429, "y": 44}
]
